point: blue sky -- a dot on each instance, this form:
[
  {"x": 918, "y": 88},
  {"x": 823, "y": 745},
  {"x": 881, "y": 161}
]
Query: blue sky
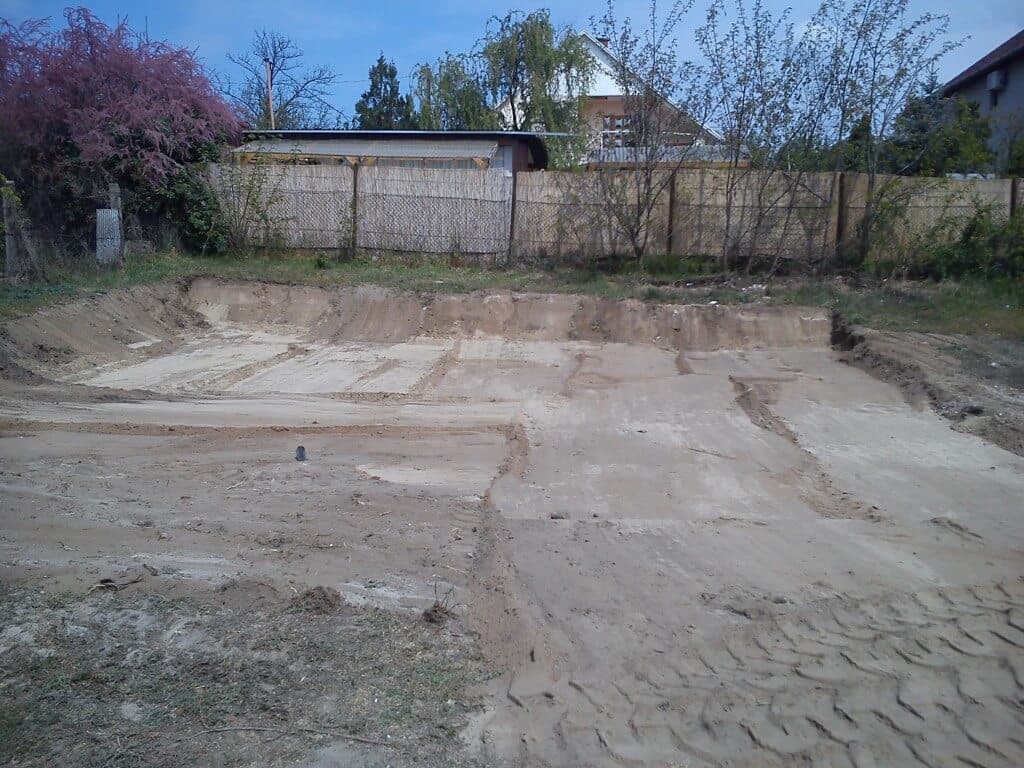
[{"x": 349, "y": 35}]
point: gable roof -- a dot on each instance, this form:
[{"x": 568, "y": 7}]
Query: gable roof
[
  {"x": 607, "y": 83},
  {"x": 1010, "y": 49}
]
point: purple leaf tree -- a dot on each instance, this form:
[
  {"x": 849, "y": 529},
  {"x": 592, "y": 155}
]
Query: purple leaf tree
[{"x": 88, "y": 104}]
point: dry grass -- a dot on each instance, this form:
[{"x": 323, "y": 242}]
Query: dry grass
[{"x": 138, "y": 680}]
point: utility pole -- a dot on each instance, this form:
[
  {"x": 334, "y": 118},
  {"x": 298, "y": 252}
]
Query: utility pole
[{"x": 270, "y": 92}]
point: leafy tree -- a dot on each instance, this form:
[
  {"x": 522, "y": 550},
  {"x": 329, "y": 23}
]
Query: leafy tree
[
  {"x": 450, "y": 96},
  {"x": 854, "y": 154},
  {"x": 533, "y": 73},
  {"x": 931, "y": 136},
  {"x": 934, "y": 136},
  {"x": 300, "y": 92},
  {"x": 188, "y": 204},
  {"x": 1015, "y": 160},
  {"x": 522, "y": 73},
  {"x": 87, "y": 105},
  {"x": 382, "y": 107},
  {"x": 914, "y": 131}
]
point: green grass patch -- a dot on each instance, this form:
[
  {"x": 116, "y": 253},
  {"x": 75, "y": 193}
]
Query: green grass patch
[
  {"x": 20, "y": 299},
  {"x": 987, "y": 307}
]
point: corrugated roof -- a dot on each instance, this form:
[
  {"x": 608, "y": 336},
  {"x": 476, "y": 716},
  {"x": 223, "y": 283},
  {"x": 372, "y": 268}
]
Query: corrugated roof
[
  {"x": 534, "y": 141},
  {"x": 1012, "y": 47},
  {"x": 359, "y": 133},
  {"x": 357, "y": 147}
]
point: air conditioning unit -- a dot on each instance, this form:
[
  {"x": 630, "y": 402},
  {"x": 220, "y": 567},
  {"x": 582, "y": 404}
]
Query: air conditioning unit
[{"x": 996, "y": 80}]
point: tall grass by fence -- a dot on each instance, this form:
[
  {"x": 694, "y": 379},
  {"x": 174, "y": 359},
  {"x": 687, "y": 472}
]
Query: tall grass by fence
[{"x": 486, "y": 216}]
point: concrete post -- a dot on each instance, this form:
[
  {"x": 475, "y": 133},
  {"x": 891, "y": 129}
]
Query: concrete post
[
  {"x": 114, "y": 193},
  {"x": 108, "y": 236},
  {"x": 115, "y": 196}
]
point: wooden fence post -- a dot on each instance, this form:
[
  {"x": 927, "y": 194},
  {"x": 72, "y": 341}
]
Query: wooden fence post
[
  {"x": 670, "y": 234},
  {"x": 842, "y": 215},
  {"x": 1014, "y": 196},
  {"x": 12, "y": 262},
  {"x": 354, "y": 237},
  {"x": 698, "y": 206},
  {"x": 512, "y": 217}
]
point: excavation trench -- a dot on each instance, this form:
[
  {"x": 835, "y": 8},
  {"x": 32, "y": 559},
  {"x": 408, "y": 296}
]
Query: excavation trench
[{"x": 670, "y": 528}]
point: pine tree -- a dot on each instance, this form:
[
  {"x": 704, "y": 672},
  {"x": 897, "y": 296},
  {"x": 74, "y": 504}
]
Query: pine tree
[
  {"x": 382, "y": 107},
  {"x": 934, "y": 136}
]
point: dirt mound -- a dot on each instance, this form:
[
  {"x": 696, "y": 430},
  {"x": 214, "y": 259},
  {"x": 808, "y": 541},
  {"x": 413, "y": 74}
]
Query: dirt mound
[
  {"x": 138, "y": 323},
  {"x": 11, "y": 370},
  {"x": 100, "y": 329},
  {"x": 318, "y": 600},
  {"x": 243, "y": 594},
  {"x": 371, "y": 313}
]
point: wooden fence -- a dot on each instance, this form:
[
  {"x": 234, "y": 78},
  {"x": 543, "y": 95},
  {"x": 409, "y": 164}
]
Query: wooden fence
[
  {"x": 414, "y": 210},
  {"x": 487, "y": 216},
  {"x": 753, "y": 213}
]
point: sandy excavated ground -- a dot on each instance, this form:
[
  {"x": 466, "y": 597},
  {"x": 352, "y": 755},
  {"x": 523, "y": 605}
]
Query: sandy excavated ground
[{"x": 681, "y": 535}]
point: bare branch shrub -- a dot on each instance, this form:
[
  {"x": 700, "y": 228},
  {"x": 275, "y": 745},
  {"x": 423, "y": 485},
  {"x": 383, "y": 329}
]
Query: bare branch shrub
[
  {"x": 661, "y": 125},
  {"x": 754, "y": 77},
  {"x": 873, "y": 54},
  {"x": 248, "y": 194}
]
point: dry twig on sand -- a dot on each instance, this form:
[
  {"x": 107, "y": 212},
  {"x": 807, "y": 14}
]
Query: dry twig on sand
[{"x": 294, "y": 731}]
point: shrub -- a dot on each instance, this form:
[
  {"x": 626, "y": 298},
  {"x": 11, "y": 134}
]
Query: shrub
[
  {"x": 661, "y": 263},
  {"x": 673, "y": 265},
  {"x": 187, "y": 205},
  {"x": 987, "y": 246}
]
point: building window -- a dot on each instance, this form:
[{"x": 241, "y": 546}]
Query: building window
[
  {"x": 993, "y": 99},
  {"x": 615, "y": 131}
]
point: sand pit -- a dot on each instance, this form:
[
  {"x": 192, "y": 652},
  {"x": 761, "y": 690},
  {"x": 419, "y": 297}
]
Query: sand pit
[{"x": 685, "y": 535}]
